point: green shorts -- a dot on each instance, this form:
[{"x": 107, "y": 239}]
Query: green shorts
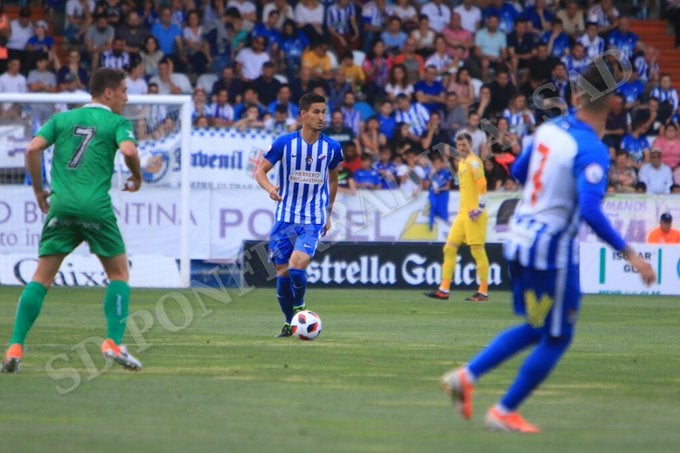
[{"x": 61, "y": 234}]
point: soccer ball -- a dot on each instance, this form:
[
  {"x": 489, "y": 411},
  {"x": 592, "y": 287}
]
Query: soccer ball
[{"x": 306, "y": 325}]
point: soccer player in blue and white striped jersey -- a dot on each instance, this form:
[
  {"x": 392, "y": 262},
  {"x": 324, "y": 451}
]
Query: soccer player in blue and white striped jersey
[
  {"x": 564, "y": 173},
  {"x": 308, "y": 181}
]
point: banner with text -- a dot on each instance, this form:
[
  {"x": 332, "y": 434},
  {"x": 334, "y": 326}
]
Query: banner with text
[
  {"x": 377, "y": 265},
  {"x": 222, "y": 219},
  {"x": 605, "y": 271},
  {"x": 146, "y": 271},
  {"x": 220, "y": 159}
]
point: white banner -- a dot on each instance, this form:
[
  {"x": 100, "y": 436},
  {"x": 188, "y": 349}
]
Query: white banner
[
  {"x": 222, "y": 219},
  {"x": 146, "y": 271},
  {"x": 220, "y": 159},
  {"x": 605, "y": 271}
]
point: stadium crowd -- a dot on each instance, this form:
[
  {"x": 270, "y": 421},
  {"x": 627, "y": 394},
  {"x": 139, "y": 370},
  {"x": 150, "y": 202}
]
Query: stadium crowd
[{"x": 401, "y": 77}]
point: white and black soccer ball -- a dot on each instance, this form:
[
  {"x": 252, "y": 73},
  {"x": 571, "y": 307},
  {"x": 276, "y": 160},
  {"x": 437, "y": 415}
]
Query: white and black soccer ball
[{"x": 306, "y": 325}]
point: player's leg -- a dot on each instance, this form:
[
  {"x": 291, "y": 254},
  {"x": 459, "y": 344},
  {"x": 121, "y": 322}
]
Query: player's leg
[
  {"x": 106, "y": 242},
  {"x": 28, "y": 309},
  {"x": 475, "y": 233},
  {"x": 116, "y": 302},
  {"x": 553, "y": 314},
  {"x": 305, "y": 248},
  {"x": 117, "y": 298},
  {"x": 281, "y": 242},
  {"x": 58, "y": 238},
  {"x": 535, "y": 369},
  {"x": 455, "y": 238},
  {"x": 459, "y": 383}
]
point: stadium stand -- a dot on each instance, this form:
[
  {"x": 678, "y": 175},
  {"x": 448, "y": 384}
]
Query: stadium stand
[{"x": 507, "y": 49}]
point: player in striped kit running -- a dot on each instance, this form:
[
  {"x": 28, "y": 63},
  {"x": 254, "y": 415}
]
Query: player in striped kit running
[
  {"x": 564, "y": 173},
  {"x": 308, "y": 181}
]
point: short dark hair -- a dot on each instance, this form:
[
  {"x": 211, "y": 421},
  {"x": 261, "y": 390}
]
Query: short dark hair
[
  {"x": 104, "y": 78},
  {"x": 308, "y": 99},
  {"x": 465, "y": 136},
  {"x": 233, "y": 13},
  {"x": 592, "y": 75}
]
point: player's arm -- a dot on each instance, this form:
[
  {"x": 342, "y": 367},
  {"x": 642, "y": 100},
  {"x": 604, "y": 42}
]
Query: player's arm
[
  {"x": 477, "y": 170},
  {"x": 261, "y": 178},
  {"x": 131, "y": 156},
  {"x": 34, "y": 164},
  {"x": 591, "y": 186},
  {"x": 520, "y": 168},
  {"x": 271, "y": 157}
]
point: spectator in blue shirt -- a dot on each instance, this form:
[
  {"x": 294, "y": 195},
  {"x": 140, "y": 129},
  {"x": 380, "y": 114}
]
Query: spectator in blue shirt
[
  {"x": 576, "y": 61},
  {"x": 440, "y": 186},
  {"x": 394, "y": 37},
  {"x": 268, "y": 30},
  {"x": 283, "y": 100},
  {"x": 632, "y": 90},
  {"x": 386, "y": 168},
  {"x": 507, "y": 14},
  {"x": 623, "y": 39},
  {"x": 169, "y": 37},
  {"x": 250, "y": 99},
  {"x": 367, "y": 177},
  {"x": 557, "y": 40},
  {"x": 386, "y": 119},
  {"x": 430, "y": 92},
  {"x": 636, "y": 144},
  {"x": 293, "y": 45},
  {"x": 539, "y": 16}
]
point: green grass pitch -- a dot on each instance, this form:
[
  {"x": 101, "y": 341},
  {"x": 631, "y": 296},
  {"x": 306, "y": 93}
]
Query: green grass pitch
[{"x": 216, "y": 380}]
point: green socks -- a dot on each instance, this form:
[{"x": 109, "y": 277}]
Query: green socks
[
  {"x": 30, "y": 303},
  {"x": 116, "y": 309}
]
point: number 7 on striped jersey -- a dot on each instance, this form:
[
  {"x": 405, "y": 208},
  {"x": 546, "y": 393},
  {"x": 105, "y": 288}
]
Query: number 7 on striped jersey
[{"x": 537, "y": 178}]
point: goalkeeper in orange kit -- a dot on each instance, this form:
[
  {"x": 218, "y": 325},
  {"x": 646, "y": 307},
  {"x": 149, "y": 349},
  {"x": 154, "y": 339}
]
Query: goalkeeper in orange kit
[{"x": 469, "y": 226}]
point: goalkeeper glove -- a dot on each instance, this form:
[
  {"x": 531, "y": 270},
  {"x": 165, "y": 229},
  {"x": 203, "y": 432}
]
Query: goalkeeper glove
[{"x": 475, "y": 213}]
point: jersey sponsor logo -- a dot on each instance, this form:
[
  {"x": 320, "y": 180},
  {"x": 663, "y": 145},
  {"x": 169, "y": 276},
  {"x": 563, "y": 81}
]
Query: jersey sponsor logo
[
  {"x": 594, "y": 173},
  {"x": 306, "y": 177}
]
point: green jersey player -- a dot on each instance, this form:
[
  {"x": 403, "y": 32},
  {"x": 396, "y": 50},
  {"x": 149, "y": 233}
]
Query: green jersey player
[{"x": 79, "y": 208}]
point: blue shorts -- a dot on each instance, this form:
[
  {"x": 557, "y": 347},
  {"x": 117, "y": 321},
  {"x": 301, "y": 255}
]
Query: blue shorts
[
  {"x": 548, "y": 300},
  {"x": 286, "y": 237}
]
